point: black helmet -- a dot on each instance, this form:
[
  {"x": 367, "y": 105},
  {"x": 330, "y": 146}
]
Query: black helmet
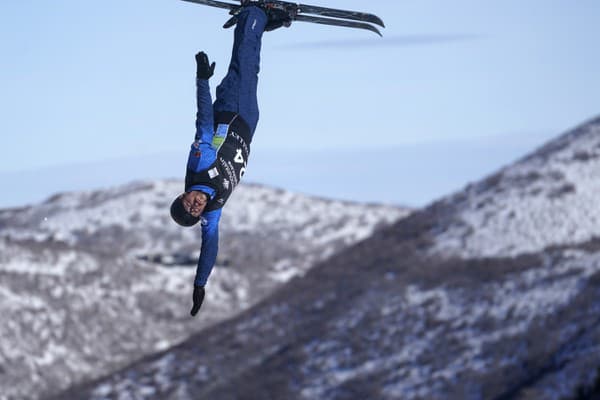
[{"x": 180, "y": 215}]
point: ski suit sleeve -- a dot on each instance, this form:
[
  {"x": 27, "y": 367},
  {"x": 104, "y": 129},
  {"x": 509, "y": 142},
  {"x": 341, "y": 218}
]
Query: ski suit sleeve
[
  {"x": 210, "y": 246},
  {"x": 204, "y": 116},
  {"x": 202, "y": 152}
]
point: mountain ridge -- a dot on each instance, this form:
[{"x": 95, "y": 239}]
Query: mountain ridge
[
  {"x": 407, "y": 313},
  {"x": 94, "y": 279}
]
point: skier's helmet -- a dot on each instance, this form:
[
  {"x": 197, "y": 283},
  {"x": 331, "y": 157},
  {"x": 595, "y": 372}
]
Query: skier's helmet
[{"x": 180, "y": 215}]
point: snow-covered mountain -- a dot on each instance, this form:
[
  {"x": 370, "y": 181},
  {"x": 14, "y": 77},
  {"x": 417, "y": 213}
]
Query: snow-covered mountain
[
  {"x": 548, "y": 198},
  {"x": 92, "y": 281},
  {"x": 490, "y": 293}
]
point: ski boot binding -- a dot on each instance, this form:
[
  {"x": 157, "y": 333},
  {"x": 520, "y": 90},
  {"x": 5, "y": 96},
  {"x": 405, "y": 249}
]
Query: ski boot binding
[{"x": 277, "y": 15}]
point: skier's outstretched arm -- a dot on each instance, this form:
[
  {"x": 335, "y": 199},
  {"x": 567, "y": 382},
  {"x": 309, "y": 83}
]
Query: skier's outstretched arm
[
  {"x": 210, "y": 246},
  {"x": 208, "y": 256},
  {"x": 204, "y": 115},
  {"x": 202, "y": 152}
]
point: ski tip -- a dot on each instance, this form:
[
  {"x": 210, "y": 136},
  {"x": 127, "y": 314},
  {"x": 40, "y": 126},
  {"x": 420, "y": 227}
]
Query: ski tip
[
  {"x": 378, "y": 21},
  {"x": 374, "y": 29}
]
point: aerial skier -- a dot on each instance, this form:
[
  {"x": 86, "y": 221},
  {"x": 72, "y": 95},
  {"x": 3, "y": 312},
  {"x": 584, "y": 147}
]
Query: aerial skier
[{"x": 219, "y": 154}]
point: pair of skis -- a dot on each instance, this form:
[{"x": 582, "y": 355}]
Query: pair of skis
[{"x": 308, "y": 13}]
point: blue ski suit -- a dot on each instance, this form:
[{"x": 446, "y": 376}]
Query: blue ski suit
[{"x": 218, "y": 157}]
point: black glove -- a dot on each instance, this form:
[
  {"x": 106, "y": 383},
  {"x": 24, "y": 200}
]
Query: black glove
[
  {"x": 198, "y": 298},
  {"x": 204, "y": 70}
]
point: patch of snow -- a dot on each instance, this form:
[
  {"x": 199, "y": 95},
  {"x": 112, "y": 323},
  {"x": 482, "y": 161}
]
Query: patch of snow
[{"x": 550, "y": 198}]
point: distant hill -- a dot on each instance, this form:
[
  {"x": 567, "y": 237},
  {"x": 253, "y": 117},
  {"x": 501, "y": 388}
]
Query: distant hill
[
  {"x": 490, "y": 293},
  {"x": 90, "y": 281}
]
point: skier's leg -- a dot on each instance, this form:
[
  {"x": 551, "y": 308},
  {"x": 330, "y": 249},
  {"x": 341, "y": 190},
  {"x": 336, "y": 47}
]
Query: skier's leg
[{"x": 237, "y": 91}]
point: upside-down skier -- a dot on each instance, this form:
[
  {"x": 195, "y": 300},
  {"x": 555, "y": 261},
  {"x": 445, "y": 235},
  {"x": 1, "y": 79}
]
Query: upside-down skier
[{"x": 219, "y": 154}]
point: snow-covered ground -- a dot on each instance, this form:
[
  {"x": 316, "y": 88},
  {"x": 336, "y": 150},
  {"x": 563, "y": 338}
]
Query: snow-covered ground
[
  {"x": 475, "y": 339},
  {"x": 549, "y": 198},
  {"x": 92, "y": 281}
]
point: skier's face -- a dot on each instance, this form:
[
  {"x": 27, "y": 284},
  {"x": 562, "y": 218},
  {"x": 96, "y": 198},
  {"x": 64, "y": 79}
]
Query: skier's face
[{"x": 194, "y": 202}]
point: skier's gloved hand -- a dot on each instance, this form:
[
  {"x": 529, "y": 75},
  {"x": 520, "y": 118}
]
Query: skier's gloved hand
[
  {"x": 204, "y": 70},
  {"x": 197, "y": 298}
]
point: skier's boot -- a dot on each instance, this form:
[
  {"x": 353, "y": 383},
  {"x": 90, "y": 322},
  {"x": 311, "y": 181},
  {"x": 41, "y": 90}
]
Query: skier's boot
[
  {"x": 277, "y": 15},
  {"x": 235, "y": 12}
]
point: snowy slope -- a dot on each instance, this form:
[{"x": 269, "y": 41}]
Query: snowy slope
[
  {"x": 456, "y": 301},
  {"x": 550, "y": 197},
  {"x": 405, "y": 337},
  {"x": 91, "y": 281}
]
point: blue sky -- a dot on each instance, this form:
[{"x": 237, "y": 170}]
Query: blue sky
[{"x": 93, "y": 81}]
